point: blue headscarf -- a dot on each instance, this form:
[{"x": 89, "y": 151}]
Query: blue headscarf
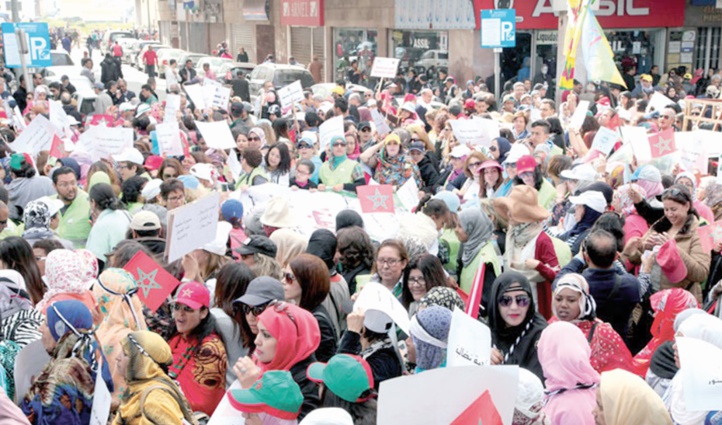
[
  {"x": 73, "y": 316},
  {"x": 504, "y": 148}
]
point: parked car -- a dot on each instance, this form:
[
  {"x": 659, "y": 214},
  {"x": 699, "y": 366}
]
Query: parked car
[
  {"x": 164, "y": 57},
  {"x": 126, "y": 44},
  {"x": 109, "y": 38},
  {"x": 228, "y": 70},
  {"x": 61, "y": 58},
  {"x": 54, "y": 73},
  {"x": 431, "y": 60},
  {"x": 139, "y": 56},
  {"x": 214, "y": 62},
  {"x": 325, "y": 89},
  {"x": 280, "y": 75},
  {"x": 194, "y": 57}
]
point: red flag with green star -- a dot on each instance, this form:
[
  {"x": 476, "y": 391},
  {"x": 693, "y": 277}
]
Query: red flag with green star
[{"x": 154, "y": 283}]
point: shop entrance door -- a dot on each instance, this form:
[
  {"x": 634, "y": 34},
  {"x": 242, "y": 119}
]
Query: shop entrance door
[{"x": 514, "y": 60}]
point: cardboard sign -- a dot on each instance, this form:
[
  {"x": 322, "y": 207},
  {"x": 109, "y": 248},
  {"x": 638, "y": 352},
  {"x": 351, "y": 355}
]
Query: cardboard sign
[
  {"x": 385, "y": 67},
  {"x": 195, "y": 92},
  {"x": 38, "y": 136},
  {"x": 168, "y": 136},
  {"x": 29, "y": 362},
  {"x": 376, "y": 199},
  {"x": 408, "y": 194},
  {"x": 604, "y": 140},
  {"x": 101, "y": 402},
  {"x": 216, "y": 134},
  {"x": 475, "y": 131},
  {"x": 155, "y": 284},
  {"x": 579, "y": 114},
  {"x": 289, "y": 95},
  {"x": 329, "y": 129},
  {"x": 440, "y": 396},
  {"x": 637, "y": 138},
  {"x": 382, "y": 127},
  {"x": 469, "y": 341},
  {"x": 702, "y": 379},
  {"x": 101, "y": 141},
  {"x": 377, "y": 297},
  {"x": 172, "y": 106},
  {"x": 658, "y": 101},
  {"x": 192, "y": 226}
]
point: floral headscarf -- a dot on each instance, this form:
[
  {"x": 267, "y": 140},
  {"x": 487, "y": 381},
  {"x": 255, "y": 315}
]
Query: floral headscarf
[
  {"x": 90, "y": 266},
  {"x": 430, "y": 333},
  {"x": 36, "y": 215},
  {"x": 64, "y": 277},
  {"x": 626, "y": 205},
  {"x": 444, "y": 297}
]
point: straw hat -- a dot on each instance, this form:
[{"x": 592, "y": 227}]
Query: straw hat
[
  {"x": 522, "y": 205},
  {"x": 278, "y": 214}
]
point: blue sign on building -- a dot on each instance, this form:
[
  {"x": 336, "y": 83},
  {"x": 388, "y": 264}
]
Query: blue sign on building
[
  {"x": 498, "y": 28},
  {"x": 38, "y": 40}
]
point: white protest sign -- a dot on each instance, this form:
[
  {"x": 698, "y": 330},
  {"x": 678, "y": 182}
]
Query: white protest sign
[
  {"x": 692, "y": 155},
  {"x": 329, "y": 128},
  {"x": 195, "y": 92},
  {"x": 289, "y": 95},
  {"x": 101, "y": 141},
  {"x": 385, "y": 67},
  {"x": 605, "y": 140},
  {"x": 579, "y": 114},
  {"x": 216, "y": 134},
  {"x": 475, "y": 131},
  {"x": 225, "y": 414},
  {"x": 382, "y": 127},
  {"x": 172, "y": 105},
  {"x": 169, "y": 142},
  {"x": 535, "y": 115},
  {"x": 719, "y": 170},
  {"x": 469, "y": 341},
  {"x": 234, "y": 166},
  {"x": 221, "y": 97},
  {"x": 38, "y": 136},
  {"x": 439, "y": 396},
  {"x": 18, "y": 119},
  {"x": 701, "y": 379},
  {"x": 209, "y": 91},
  {"x": 658, "y": 101},
  {"x": 101, "y": 402},
  {"x": 29, "y": 362},
  {"x": 191, "y": 226},
  {"x": 408, "y": 194},
  {"x": 637, "y": 138},
  {"x": 59, "y": 118},
  {"x": 376, "y": 298},
  {"x": 711, "y": 140}
]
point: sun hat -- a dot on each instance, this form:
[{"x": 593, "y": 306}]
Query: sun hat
[
  {"x": 671, "y": 263},
  {"x": 327, "y": 416},
  {"x": 142, "y": 109},
  {"x": 490, "y": 163},
  {"x": 591, "y": 198},
  {"x": 130, "y": 155},
  {"x": 151, "y": 189},
  {"x": 526, "y": 163},
  {"x": 522, "y": 205},
  {"x": 261, "y": 290},
  {"x": 275, "y": 394},
  {"x": 460, "y": 151},
  {"x": 582, "y": 172},
  {"x": 347, "y": 376},
  {"x": 277, "y": 214},
  {"x": 145, "y": 220},
  {"x": 193, "y": 294},
  {"x": 258, "y": 244}
]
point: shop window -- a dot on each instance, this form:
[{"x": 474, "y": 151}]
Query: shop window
[
  {"x": 351, "y": 44},
  {"x": 426, "y": 51}
]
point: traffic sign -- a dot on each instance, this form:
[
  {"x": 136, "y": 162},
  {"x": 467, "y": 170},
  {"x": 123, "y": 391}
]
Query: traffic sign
[
  {"x": 498, "y": 28},
  {"x": 38, "y": 44}
]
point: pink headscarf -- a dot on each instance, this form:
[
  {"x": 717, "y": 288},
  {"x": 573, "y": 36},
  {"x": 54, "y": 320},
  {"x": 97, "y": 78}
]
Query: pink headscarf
[
  {"x": 90, "y": 266},
  {"x": 65, "y": 277},
  {"x": 296, "y": 332},
  {"x": 570, "y": 379}
]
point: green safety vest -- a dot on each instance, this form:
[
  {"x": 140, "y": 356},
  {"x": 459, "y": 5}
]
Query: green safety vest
[
  {"x": 488, "y": 255},
  {"x": 74, "y": 224},
  {"x": 340, "y": 175},
  {"x": 449, "y": 236}
]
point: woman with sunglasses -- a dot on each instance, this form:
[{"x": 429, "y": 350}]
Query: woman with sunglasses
[
  {"x": 287, "y": 337},
  {"x": 307, "y": 284},
  {"x": 260, "y": 293},
  {"x": 340, "y": 172},
  {"x": 171, "y": 168},
  {"x": 391, "y": 164},
  {"x": 199, "y": 353},
  {"x": 306, "y": 150},
  {"x": 514, "y": 323},
  {"x": 472, "y": 169}
]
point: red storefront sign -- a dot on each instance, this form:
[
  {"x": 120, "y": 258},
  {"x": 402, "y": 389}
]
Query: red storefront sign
[
  {"x": 630, "y": 14},
  {"x": 302, "y": 13}
]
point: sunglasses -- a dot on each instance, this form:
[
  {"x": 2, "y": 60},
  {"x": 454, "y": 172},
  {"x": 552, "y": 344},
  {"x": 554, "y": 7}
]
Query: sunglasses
[
  {"x": 290, "y": 278},
  {"x": 474, "y": 164},
  {"x": 521, "y": 300},
  {"x": 250, "y": 139},
  {"x": 493, "y": 149},
  {"x": 256, "y": 310},
  {"x": 339, "y": 144},
  {"x": 169, "y": 176},
  {"x": 304, "y": 146},
  {"x": 366, "y": 130}
]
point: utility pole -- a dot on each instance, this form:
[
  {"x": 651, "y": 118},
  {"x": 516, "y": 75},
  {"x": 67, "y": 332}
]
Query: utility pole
[
  {"x": 147, "y": 5},
  {"x": 22, "y": 43}
]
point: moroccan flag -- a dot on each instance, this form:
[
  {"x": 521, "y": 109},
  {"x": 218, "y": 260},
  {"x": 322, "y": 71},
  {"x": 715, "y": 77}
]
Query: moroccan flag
[
  {"x": 481, "y": 412},
  {"x": 57, "y": 149},
  {"x": 662, "y": 143},
  {"x": 376, "y": 199},
  {"x": 710, "y": 235},
  {"x": 598, "y": 55},
  {"x": 476, "y": 291},
  {"x": 154, "y": 283}
]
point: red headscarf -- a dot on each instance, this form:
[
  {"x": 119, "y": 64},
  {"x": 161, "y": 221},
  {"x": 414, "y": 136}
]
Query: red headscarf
[
  {"x": 667, "y": 304},
  {"x": 296, "y": 331}
]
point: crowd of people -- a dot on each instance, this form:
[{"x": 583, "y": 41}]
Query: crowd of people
[{"x": 592, "y": 264}]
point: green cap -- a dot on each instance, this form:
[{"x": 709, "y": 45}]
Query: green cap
[
  {"x": 275, "y": 394},
  {"x": 347, "y": 376},
  {"x": 17, "y": 160}
]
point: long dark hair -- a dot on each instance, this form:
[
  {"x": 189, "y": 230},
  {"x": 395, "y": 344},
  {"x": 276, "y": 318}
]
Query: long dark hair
[
  {"x": 312, "y": 275},
  {"x": 430, "y": 267},
  {"x": 206, "y": 327},
  {"x": 681, "y": 195},
  {"x": 538, "y": 179},
  {"x": 104, "y": 197},
  {"x": 284, "y": 165},
  {"x": 231, "y": 283},
  {"x": 16, "y": 254}
]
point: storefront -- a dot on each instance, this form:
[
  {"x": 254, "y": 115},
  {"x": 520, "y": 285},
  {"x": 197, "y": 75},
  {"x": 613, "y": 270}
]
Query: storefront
[
  {"x": 353, "y": 44},
  {"x": 425, "y": 51},
  {"x": 303, "y": 20},
  {"x": 702, "y": 21}
]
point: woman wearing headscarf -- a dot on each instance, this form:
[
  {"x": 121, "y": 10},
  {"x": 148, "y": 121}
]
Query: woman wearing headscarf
[
  {"x": 589, "y": 206},
  {"x": 257, "y": 138},
  {"x": 340, "y": 172},
  {"x": 514, "y": 323},
  {"x": 289, "y": 244},
  {"x": 122, "y": 311},
  {"x": 430, "y": 334},
  {"x": 572, "y": 303},
  {"x": 20, "y": 321},
  {"x": 528, "y": 249},
  {"x": 570, "y": 379},
  {"x": 65, "y": 279},
  {"x": 63, "y": 392},
  {"x": 623, "y": 398},
  {"x": 392, "y": 166},
  {"x": 287, "y": 338},
  {"x": 713, "y": 199},
  {"x": 650, "y": 179},
  {"x": 475, "y": 230},
  {"x": 37, "y": 217},
  {"x": 666, "y": 304},
  {"x": 687, "y": 179},
  {"x": 442, "y": 296},
  {"x": 348, "y": 218},
  {"x": 529, "y": 404},
  {"x": 150, "y": 395},
  {"x": 635, "y": 226}
]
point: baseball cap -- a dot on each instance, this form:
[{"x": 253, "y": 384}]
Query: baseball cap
[
  {"x": 460, "y": 151},
  {"x": 258, "y": 244},
  {"x": 417, "y": 146},
  {"x": 329, "y": 416},
  {"x": 261, "y": 290},
  {"x": 129, "y": 155},
  {"x": 17, "y": 160},
  {"x": 145, "y": 220},
  {"x": 583, "y": 172},
  {"x": 153, "y": 162},
  {"x": 392, "y": 138},
  {"x": 202, "y": 171},
  {"x": 142, "y": 109},
  {"x": 275, "y": 394},
  {"x": 450, "y": 79},
  {"x": 517, "y": 151},
  {"x": 363, "y": 125},
  {"x": 193, "y": 294},
  {"x": 151, "y": 189},
  {"x": 409, "y": 107},
  {"x": 338, "y": 90},
  {"x": 54, "y": 205},
  {"x": 646, "y": 77},
  {"x": 509, "y": 98},
  {"x": 647, "y": 172},
  {"x": 469, "y": 104},
  {"x": 190, "y": 182},
  {"x": 347, "y": 376},
  {"x": 231, "y": 209},
  {"x": 236, "y": 107},
  {"x": 99, "y": 86},
  {"x": 525, "y": 163},
  {"x": 688, "y": 76},
  {"x": 125, "y": 107},
  {"x": 591, "y": 198}
]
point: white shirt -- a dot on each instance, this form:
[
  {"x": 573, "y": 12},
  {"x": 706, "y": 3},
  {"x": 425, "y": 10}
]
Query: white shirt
[{"x": 171, "y": 76}]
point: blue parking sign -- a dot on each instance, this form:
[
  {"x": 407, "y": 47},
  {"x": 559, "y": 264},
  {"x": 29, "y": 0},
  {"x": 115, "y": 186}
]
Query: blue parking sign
[
  {"x": 498, "y": 28},
  {"x": 38, "y": 40}
]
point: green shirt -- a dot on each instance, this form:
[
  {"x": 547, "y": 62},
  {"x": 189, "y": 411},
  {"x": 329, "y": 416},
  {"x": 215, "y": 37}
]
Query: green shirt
[
  {"x": 488, "y": 255},
  {"x": 343, "y": 174},
  {"x": 74, "y": 223},
  {"x": 109, "y": 229}
]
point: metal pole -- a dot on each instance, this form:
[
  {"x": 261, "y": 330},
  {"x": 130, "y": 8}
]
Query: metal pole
[
  {"x": 497, "y": 75},
  {"x": 15, "y": 12},
  {"x": 23, "y": 50},
  {"x": 147, "y": 4}
]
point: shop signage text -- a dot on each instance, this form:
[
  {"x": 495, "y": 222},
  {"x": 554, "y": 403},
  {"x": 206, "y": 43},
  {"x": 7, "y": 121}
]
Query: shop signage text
[
  {"x": 539, "y": 14},
  {"x": 308, "y": 13}
]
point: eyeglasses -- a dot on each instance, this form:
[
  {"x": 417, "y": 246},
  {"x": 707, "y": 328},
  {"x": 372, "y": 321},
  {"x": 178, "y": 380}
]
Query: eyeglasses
[
  {"x": 176, "y": 198},
  {"x": 417, "y": 281},
  {"x": 170, "y": 176},
  {"x": 122, "y": 166},
  {"x": 526, "y": 174},
  {"x": 521, "y": 300},
  {"x": 388, "y": 261},
  {"x": 290, "y": 278},
  {"x": 512, "y": 166},
  {"x": 251, "y": 139},
  {"x": 493, "y": 148},
  {"x": 66, "y": 185},
  {"x": 339, "y": 144},
  {"x": 185, "y": 308},
  {"x": 366, "y": 130},
  {"x": 474, "y": 164},
  {"x": 256, "y": 310},
  {"x": 304, "y": 146}
]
